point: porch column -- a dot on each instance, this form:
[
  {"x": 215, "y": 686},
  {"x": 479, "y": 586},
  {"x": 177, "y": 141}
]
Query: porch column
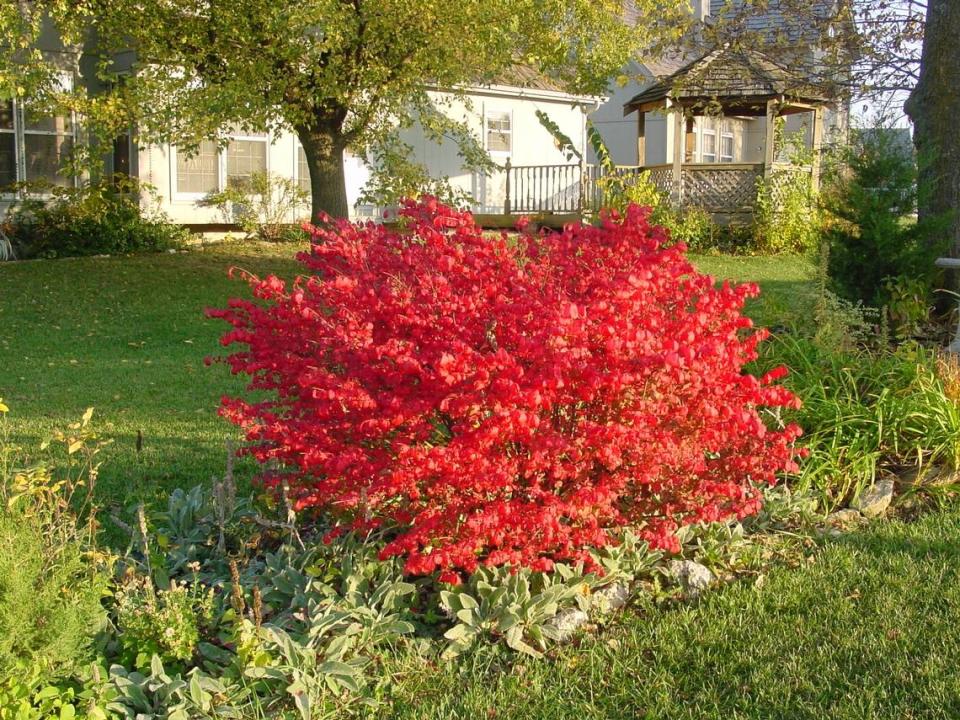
[
  {"x": 817, "y": 147},
  {"x": 769, "y": 147},
  {"x": 641, "y": 138},
  {"x": 679, "y": 134}
]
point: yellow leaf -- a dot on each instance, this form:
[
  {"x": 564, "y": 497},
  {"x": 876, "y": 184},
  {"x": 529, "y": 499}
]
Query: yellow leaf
[
  {"x": 3, "y": 408},
  {"x": 87, "y": 415},
  {"x": 74, "y": 446}
]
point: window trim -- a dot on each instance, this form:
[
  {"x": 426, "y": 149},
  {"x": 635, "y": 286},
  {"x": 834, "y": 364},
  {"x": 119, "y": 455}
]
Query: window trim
[
  {"x": 487, "y": 112},
  {"x": 703, "y": 153},
  {"x": 20, "y": 133},
  {"x": 724, "y": 135},
  {"x": 176, "y": 195}
]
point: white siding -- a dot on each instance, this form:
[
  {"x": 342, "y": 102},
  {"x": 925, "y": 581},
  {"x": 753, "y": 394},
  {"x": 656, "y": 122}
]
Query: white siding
[{"x": 531, "y": 145}]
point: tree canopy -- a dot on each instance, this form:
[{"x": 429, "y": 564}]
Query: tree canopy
[{"x": 338, "y": 73}]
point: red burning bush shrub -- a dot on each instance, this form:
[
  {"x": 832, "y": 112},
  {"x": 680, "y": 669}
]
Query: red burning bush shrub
[{"x": 499, "y": 401}]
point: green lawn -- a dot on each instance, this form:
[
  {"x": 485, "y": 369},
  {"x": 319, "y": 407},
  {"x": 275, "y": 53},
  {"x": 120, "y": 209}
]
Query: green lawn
[
  {"x": 868, "y": 630},
  {"x": 128, "y": 336}
]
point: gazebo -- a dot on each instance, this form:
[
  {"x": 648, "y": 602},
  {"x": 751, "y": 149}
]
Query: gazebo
[{"x": 733, "y": 83}]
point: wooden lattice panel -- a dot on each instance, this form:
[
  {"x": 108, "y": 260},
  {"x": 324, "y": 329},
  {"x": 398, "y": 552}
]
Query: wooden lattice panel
[
  {"x": 720, "y": 189},
  {"x": 782, "y": 177},
  {"x": 662, "y": 178}
]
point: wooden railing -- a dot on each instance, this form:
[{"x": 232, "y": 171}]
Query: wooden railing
[
  {"x": 715, "y": 187},
  {"x": 557, "y": 188}
]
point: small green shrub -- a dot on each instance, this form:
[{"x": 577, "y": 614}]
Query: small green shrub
[
  {"x": 865, "y": 412},
  {"x": 786, "y": 216},
  {"x": 166, "y": 623},
  {"x": 879, "y": 253},
  {"x": 265, "y": 206},
  {"x": 103, "y": 217},
  {"x": 51, "y": 580}
]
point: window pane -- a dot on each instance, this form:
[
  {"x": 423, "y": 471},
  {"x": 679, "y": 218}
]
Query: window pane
[
  {"x": 46, "y": 123},
  {"x": 244, "y": 158},
  {"x": 199, "y": 173},
  {"x": 498, "y": 131},
  {"x": 8, "y": 159},
  {"x": 726, "y": 148},
  {"x": 45, "y": 156},
  {"x": 121, "y": 155},
  {"x": 709, "y": 146},
  {"x": 303, "y": 172},
  {"x": 6, "y": 114}
]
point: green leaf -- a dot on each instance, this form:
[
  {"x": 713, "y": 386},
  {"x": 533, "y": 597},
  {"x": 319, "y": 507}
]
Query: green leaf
[{"x": 460, "y": 633}]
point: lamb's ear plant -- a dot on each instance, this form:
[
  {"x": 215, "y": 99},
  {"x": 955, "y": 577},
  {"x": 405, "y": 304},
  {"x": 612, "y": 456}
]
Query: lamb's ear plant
[{"x": 512, "y": 604}]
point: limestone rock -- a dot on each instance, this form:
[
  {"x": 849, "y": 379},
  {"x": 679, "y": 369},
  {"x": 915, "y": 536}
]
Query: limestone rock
[
  {"x": 844, "y": 519},
  {"x": 567, "y": 622},
  {"x": 692, "y": 576},
  {"x": 612, "y": 597},
  {"x": 874, "y": 500}
]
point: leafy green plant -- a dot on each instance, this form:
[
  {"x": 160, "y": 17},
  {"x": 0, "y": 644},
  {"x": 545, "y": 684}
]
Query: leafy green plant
[
  {"x": 265, "y": 206},
  {"x": 103, "y": 216},
  {"x": 864, "y": 412},
  {"x": 870, "y": 199},
  {"x": 164, "y": 623},
  {"x": 158, "y": 695},
  {"x": 786, "y": 216},
  {"x": 52, "y": 578},
  {"x": 515, "y": 604}
]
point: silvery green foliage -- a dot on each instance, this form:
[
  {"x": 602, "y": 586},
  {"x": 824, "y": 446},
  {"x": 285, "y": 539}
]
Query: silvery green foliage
[
  {"x": 159, "y": 696},
  {"x": 198, "y": 526},
  {"x": 328, "y": 612},
  {"x": 629, "y": 560},
  {"x": 513, "y": 604}
]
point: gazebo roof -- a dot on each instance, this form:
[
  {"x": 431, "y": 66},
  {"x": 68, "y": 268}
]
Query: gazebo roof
[{"x": 741, "y": 80}]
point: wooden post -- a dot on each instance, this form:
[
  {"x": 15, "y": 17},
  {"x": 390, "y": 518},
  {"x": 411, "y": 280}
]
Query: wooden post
[
  {"x": 641, "y": 138},
  {"x": 690, "y": 142},
  {"x": 769, "y": 148},
  {"x": 817, "y": 148},
  {"x": 679, "y": 125},
  {"x": 582, "y": 200},
  {"x": 506, "y": 201}
]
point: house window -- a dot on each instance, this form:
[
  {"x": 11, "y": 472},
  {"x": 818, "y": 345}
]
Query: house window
[
  {"x": 726, "y": 147},
  {"x": 209, "y": 169},
  {"x": 499, "y": 132},
  {"x": 245, "y": 157},
  {"x": 8, "y": 145},
  {"x": 303, "y": 170},
  {"x": 121, "y": 156},
  {"x": 199, "y": 173},
  {"x": 708, "y": 152},
  {"x": 34, "y": 147}
]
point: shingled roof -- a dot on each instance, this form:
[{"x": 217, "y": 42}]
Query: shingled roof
[{"x": 737, "y": 76}]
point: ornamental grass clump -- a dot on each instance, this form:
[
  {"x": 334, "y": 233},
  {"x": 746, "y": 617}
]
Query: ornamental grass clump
[{"x": 490, "y": 401}]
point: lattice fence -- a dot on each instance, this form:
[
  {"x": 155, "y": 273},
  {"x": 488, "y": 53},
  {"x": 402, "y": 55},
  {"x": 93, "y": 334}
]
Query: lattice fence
[
  {"x": 662, "y": 177},
  {"x": 784, "y": 177},
  {"x": 720, "y": 189}
]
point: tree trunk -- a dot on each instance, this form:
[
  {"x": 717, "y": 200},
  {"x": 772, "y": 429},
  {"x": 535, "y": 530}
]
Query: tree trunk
[
  {"x": 934, "y": 108},
  {"x": 324, "y": 148}
]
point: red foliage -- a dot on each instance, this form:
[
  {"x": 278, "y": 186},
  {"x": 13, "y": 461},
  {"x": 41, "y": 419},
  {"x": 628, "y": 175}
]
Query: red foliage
[{"x": 506, "y": 401}]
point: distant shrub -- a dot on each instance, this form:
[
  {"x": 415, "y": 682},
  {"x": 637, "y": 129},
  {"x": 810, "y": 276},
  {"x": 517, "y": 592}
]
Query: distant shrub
[
  {"x": 50, "y": 586},
  {"x": 879, "y": 253},
  {"x": 498, "y": 402},
  {"x": 265, "y": 206},
  {"x": 103, "y": 217},
  {"x": 786, "y": 215}
]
